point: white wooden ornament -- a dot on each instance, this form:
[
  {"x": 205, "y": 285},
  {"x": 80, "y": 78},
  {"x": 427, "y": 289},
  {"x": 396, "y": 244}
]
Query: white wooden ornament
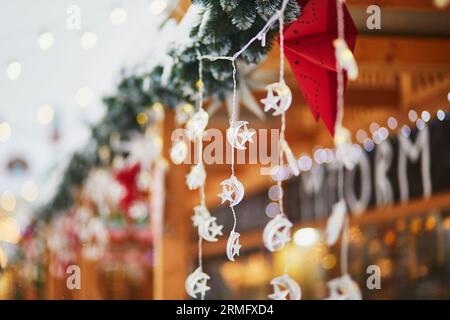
[
  {"x": 277, "y": 233},
  {"x": 207, "y": 226},
  {"x": 238, "y": 135},
  {"x": 196, "y": 284},
  {"x": 344, "y": 288},
  {"x": 279, "y": 98},
  {"x": 285, "y": 288},
  {"x": 335, "y": 222},
  {"x": 179, "y": 152},
  {"x": 196, "y": 124},
  {"x": 232, "y": 191},
  {"x": 233, "y": 245},
  {"x": 196, "y": 178}
]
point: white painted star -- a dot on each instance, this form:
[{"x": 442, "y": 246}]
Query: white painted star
[
  {"x": 271, "y": 101},
  {"x": 278, "y": 294},
  {"x": 246, "y": 136},
  {"x": 226, "y": 195}
]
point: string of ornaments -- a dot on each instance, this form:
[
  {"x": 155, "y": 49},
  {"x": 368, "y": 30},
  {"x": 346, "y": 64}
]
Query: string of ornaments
[
  {"x": 277, "y": 233},
  {"x": 343, "y": 287}
]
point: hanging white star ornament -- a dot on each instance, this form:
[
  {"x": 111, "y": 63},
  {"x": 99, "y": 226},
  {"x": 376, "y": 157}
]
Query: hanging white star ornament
[
  {"x": 196, "y": 124},
  {"x": 196, "y": 284},
  {"x": 196, "y": 178},
  {"x": 285, "y": 288},
  {"x": 179, "y": 151},
  {"x": 335, "y": 222},
  {"x": 232, "y": 191},
  {"x": 344, "y": 288},
  {"x": 345, "y": 59},
  {"x": 238, "y": 135},
  {"x": 281, "y": 101},
  {"x": 345, "y": 150},
  {"x": 277, "y": 233},
  {"x": 207, "y": 226},
  {"x": 233, "y": 245}
]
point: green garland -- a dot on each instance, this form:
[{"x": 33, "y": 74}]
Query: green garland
[{"x": 225, "y": 27}]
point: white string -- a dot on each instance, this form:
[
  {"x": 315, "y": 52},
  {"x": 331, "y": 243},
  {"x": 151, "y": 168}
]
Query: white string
[
  {"x": 339, "y": 121},
  {"x": 260, "y": 36},
  {"x": 340, "y": 75}
]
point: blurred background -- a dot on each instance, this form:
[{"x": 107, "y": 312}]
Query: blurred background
[{"x": 73, "y": 192}]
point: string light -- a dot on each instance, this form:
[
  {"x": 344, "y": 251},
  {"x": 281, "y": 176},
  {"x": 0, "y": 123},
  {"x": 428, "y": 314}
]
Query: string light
[
  {"x": 412, "y": 115},
  {"x": 306, "y": 237},
  {"x": 5, "y": 131},
  {"x": 305, "y": 163},
  {"x": 14, "y": 70},
  {"x": 425, "y": 116},
  {"x": 392, "y": 123},
  {"x": 8, "y": 201},
  {"x": 361, "y": 135},
  {"x": 158, "y": 6},
  {"x": 46, "y": 41},
  {"x": 118, "y": 16},
  {"x": 441, "y": 115},
  {"x": 45, "y": 115},
  {"x": 84, "y": 96},
  {"x": 30, "y": 191},
  {"x": 88, "y": 40}
]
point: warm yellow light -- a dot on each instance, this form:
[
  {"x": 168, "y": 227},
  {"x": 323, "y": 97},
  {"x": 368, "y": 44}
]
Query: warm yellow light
[
  {"x": 10, "y": 230},
  {"x": 46, "y": 41},
  {"x": 3, "y": 259},
  {"x": 88, "y": 40},
  {"x": 142, "y": 118},
  {"x": 430, "y": 224},
  {"x": 306, "y": 237},
  {"x": 158, "y": 6},
  {"x": 30, "y": 191},
  {"x": 118, "y": 16},
  {"x": 14, "y": 70},
  {"x": 84, "y": 96},
  {"x": 45, "y": 115},
  {"x": 8, "y": 201},
  {"x": 5, "y": 131},
  {"x": 329, "y": 261}
]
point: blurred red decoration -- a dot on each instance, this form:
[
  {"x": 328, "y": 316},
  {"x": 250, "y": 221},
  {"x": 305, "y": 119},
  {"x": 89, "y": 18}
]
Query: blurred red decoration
[
  {"x": 308, "y": 44},
  {"x": 127, "y": 178}
]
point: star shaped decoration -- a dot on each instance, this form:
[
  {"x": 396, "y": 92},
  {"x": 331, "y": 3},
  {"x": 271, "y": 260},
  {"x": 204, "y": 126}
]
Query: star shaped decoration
[
  {"x": 236, "y": 248},
  {"x": 246, "y": 136},
  {"x": 216, "y": 229},
  {"x": 201, "y": 287},
  {"x": 226, "y": 195},
  {"x": 271, "y": 101},
  {"x": 278, "y": 293},
  {"x": 281, "y": 237}
]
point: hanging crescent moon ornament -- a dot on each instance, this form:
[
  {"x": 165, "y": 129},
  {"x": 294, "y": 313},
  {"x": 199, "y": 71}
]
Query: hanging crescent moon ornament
[
  {"x": 238, "y": 135},
  {"x": 285, "y": 288},
  {"x": 196, "y": 284},
  {"x": 232, "y": 191},
  {"x": 196, "y": 177},
  {"x": 196, "y": 124},
  {"x": 179, "y": 151},
  {"x": 281, "y": 101},
  {"x": 277, "y": 233},
  {"x": 207, "y": 226},
  {"x": 233, "y": 245},
  {"x": 344, "y": 288},
  {"x": 335, "y": 222}
]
